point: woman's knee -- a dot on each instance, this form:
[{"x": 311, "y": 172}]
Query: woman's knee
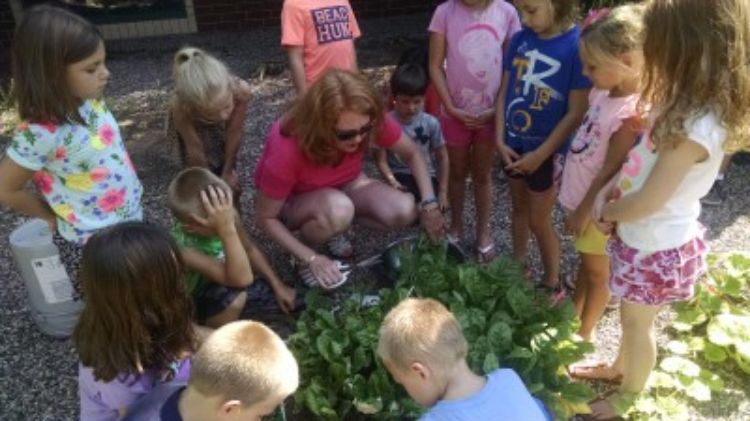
[
  {"x": 335, "y": 212},
  {"x": 401, "y": 212}
]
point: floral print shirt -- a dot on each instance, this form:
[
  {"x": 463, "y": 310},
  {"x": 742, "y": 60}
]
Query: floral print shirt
[{"x": 83, "y": 171}]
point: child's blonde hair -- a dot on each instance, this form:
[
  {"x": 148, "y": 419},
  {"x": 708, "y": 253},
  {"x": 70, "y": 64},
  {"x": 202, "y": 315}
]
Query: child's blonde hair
[
  {"x": 616, "y": 32},
  {"x": 198, "y": 78},
  {"x": 183, "y": 193},
  {"x": 244, "y": 361},
  {"x": 697, "y": 58},
  {"x": 421, "y": 330}
]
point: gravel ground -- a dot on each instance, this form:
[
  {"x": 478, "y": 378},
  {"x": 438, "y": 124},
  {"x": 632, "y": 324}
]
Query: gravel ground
[{"x": 38, "y": 374}]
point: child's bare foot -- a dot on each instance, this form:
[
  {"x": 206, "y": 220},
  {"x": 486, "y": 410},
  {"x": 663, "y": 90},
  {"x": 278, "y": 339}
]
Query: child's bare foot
[
  {"x": 602, "y": 410},
  {"x": 597, "y": 371}
]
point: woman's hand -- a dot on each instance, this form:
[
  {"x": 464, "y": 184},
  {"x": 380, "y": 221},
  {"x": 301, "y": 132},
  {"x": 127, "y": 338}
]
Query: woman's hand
[
  {"x": 325, "y": 270},
  {"x": 432, "y": 221}
]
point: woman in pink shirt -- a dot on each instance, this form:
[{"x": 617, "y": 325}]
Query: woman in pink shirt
[{"x": 310, "y": 176}]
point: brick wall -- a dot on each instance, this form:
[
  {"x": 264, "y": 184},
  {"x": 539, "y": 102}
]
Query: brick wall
[
  {"x": 6, "y": 33},
  {"x": 238, "y": 15}
]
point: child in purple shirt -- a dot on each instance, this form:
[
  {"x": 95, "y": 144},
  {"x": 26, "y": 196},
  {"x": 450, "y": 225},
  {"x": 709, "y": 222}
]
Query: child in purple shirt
[{"x": 135, "y": 330}]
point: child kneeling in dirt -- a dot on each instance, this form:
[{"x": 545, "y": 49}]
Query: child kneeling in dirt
[
  {"x": 216, "y": 249},
  {"x": 422, "y": 346},
  {"x": 242, "y": 371}
]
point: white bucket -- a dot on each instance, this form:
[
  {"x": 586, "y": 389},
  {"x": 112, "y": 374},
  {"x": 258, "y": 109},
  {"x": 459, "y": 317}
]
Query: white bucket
[{"x": 52, "y": 299}]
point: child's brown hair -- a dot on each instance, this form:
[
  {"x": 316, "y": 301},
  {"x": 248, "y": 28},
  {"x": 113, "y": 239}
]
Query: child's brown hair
[
  {"x": 566, "y": 11},
  {"x": 244, "y": 361},
  {"x": 313, "y": 116},
  {"x": 183, "y": 193},
  {"x": 138, "y": 314},
  {"x": 46, "y": 41},
  {"x": 421, "y": 330},
  {"x": 697, "y": 58}
]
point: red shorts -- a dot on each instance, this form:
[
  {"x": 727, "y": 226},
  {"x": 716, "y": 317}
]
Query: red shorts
[{"x": 456, "y": 133}]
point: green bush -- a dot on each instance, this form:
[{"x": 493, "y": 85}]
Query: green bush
[{"x": 506, "y": 321}]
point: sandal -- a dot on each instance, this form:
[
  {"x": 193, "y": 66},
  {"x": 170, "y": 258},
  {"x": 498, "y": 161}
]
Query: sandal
[
  {"x": 602, "y": 372},
  {"x": 340, "y": 247},
  {"x": 486, "y": 254},
  {"x": 311, "y": 281},
  {"x": 555, "y": 292}
]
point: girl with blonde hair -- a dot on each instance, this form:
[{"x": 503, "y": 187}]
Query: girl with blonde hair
[
  {"x": 310, "y": 178},
  {"x": 208, "y": 111}
]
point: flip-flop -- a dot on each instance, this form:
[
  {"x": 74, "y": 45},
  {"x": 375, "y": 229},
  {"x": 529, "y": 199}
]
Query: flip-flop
[
  {"x": 594, "y": 372},
  {"x": 556, "y": 292}
]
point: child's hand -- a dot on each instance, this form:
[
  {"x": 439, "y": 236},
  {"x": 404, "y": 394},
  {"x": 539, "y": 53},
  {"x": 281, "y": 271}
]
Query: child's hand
[
  {"x": 231, "y": 178},
  {"x": 606, "y": 228},
  {"x": 527, "y": 164},
  {"x": 507, "y": 154},
  {"x": 443, "y": 200},
  {"x": 285, "y": 298},
  {"x": 220, "y": 214},
  {"x": 484, "y": 117},
  {"x": 463, "y": 116},
  {"x": 576, "y": 222},
  {"x": 395, "y": 184}
]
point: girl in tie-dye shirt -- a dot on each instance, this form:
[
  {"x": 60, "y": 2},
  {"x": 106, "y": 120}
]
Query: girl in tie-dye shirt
[{"x": 68, "y": 142}]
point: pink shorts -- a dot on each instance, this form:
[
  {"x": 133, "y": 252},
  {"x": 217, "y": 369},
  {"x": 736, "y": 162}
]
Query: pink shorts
[
  {"x": 457, "y": 134},
  {"x": 656, "y": 278}
]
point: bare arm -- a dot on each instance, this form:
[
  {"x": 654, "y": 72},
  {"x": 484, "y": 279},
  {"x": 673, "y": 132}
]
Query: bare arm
[
  {"x": 297, "y": 67},
  {"x": 13, "y": 178},
  {"x": 619, "y": 146},
  {"x": 578, "y": 103},
  {"x": 408, "y": 151},
  {"x": 267, "y": 213},
  {"x": 235, "y": 128},
  {"x": 437, "y": 75},
  {"x": 441, "y": 157},
  {"x": 284, "y": 294},
  {"x": 671, "y": 167},
  {"x": 381, "y": 161},
  {"x": 194, "y": 154}
]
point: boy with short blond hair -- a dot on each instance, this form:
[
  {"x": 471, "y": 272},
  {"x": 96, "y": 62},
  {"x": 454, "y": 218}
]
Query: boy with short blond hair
[
  {"x": 422, "y": 346},
  {"x": 215, "y": 248},
  {"x": 243, "y": 371}
]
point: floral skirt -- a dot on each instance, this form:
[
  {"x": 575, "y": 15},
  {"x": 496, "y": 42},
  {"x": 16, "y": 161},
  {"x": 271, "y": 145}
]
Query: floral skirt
[{"x": 656, "y": 278}]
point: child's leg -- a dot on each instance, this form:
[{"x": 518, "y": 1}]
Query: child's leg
[
  {"x": 380, "y": 206},
  {"x": 319, "y": 215},
  {"x": 582, "y": 287},
  {"x": 231, "y": 313},
  {"x": 596, "y": 272},
  {"x": 459, "y": 157},
  {"x": 519, "y": 198},
  {"x": 482, "y": 158},
  {"x": 540, "y": 224},
  {"x": 638, "y": 344}
]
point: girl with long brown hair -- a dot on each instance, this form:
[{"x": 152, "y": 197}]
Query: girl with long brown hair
[
  {"x": 310, "y": 179},
  {"x": 135, "y": 330},
  {"x": 697, "y": 85}
]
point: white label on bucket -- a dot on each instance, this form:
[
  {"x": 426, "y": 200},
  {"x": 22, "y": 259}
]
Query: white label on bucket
[{"x": 53, "y": 279}]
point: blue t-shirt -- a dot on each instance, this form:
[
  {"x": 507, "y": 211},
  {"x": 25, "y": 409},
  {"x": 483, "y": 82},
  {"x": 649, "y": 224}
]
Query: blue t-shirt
[
  {"x": 504, "y": 397},
  {"x": 542, "y": 74}
]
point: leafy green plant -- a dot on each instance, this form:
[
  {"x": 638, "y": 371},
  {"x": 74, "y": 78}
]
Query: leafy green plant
[
  {"x": 711, "y": 340},
  {"x": 506, "y": 321}
]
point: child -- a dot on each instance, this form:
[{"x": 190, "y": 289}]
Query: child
[
  {"x": 318, "y": 35},
  {"x": 422, "y": 346},
  {"x": 697, "y": 81},
  {"x": 68, "y": 142},
  {"x": 420, "y": 56},
  {"x": 242, "y": 371},
  {"x": 208, "y": 110},
  {"x": 467, "y": 41},
  {"x": 215, "y": 249},
  {"x": 408, "y": 86},
  {"x": 542, "y": 101},
  {"x": 612, "y": 59},
  {"x": 135, "y": 330}
]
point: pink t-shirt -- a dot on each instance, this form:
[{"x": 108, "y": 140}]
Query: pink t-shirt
[
  {"x": 326, "y": 30},
  {"x": 474, "y": 50},
  {"x": 588, "y": 151},
  {"x": 284, "y": 169}
]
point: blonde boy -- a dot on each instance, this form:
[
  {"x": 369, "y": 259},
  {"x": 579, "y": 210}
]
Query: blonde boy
[
  {"x": 422, "y": 346},
  {"x": 242, "y": 372},
  {"x": 215, "y": 248}
]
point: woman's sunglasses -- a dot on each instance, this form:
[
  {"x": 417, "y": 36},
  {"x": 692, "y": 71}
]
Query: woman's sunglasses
[{"x": 347, "y": 135}]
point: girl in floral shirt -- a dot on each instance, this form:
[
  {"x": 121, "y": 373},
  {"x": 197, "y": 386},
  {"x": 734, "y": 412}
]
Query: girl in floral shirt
[{"x": 68, "y": 142}]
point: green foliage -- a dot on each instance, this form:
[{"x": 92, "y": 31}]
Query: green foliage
[
  {"x": 711, "y": 341},
  {"x": 506, "y": 321}
]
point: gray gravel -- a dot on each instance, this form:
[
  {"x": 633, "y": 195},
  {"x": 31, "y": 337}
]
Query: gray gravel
[{"x": 38, "y": 374}]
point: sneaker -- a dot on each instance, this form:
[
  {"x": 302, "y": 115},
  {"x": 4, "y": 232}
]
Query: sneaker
[{"x": 715, "y": 196}]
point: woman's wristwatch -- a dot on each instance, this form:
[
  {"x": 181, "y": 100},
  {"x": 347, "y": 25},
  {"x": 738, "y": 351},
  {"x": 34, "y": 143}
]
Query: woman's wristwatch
[{"x": 428, "y": 204}]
